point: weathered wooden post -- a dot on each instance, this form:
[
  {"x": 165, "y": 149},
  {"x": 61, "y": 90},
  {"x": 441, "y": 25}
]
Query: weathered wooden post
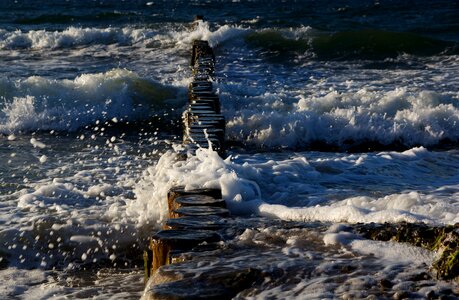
[
  {"x": 201, "y": 205},
  {"x": 203, "y": 123},
  {"x": 160, "y": 253}
]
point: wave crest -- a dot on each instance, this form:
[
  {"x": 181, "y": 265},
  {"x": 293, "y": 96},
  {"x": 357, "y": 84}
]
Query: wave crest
[
  {"x": 38, "y": 103},
  {"x": 71, "y": 37},
  {"x": 347, "y": 120}
]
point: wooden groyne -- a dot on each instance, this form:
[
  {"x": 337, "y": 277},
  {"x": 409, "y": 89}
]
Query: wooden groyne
[
  {"x": 198, "y": 221},
  {"x": 196, "y": 217},
  {"x": 203, "y": 124},
  {"x": 192, "y": 221}
]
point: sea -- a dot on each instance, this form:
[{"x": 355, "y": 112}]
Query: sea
[{"x": 337, "y": 112}]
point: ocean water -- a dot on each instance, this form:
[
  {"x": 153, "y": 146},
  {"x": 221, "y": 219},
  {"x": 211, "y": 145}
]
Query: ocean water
[{"x": 337, "y": 112}]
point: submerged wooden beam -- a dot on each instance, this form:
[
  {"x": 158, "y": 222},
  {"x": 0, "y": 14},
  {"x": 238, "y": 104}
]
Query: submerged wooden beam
[
  {"x": 199, "y": 200},
  {"x": 198, "y": 211},
  {"x": 211, "y": 222}
]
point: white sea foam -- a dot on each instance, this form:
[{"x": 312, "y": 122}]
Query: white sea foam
[
  {"x": 71, "y": 37},
  {"x": 294, "y": 187},
  {"x": 39, "y": 284},
  {"x": 17, "y": 282},
  {"x": 69, "y": 208},
  {"x": 37, "y": 144},
  {"x": 43, "y": 159},
  {"x": 389, "y": 252},
  {"x": 38, "y": 103},
  {"x": 411, "y": 118},
  {"x": 183, "y": 38},
  {"x": 395, "y": 252}
]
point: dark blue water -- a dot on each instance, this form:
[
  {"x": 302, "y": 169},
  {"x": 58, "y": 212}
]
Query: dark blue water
[{"x": 433, "y": 18}]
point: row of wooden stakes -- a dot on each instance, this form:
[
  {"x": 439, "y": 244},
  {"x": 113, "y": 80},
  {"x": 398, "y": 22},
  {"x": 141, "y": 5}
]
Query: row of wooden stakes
[
  {"x": 195, "y": 220},
  {"x": 196, "y": 217},
  {"x": 204, "y": 125}
]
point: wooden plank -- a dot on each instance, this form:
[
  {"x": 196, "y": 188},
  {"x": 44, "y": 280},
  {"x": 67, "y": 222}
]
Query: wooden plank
[
  {"x": 180, "y": 191},
  {"x": 199, "y": 200},
  {"x": 202, "y": 222},
  {"x": 199, "y": 211}
]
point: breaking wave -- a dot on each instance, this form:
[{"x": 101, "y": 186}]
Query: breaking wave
[
  {"x": 38, "y": 103},
  {"x": 306, "y": 187},
  {"x": 71, "y": 37},
  {"x": 346, "y": 119}
]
